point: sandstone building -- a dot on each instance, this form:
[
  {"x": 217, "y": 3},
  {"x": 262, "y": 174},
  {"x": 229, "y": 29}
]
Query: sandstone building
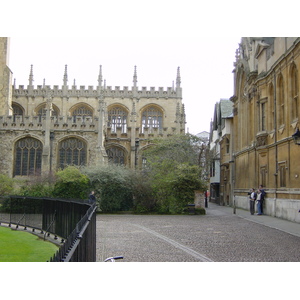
[
  {"x": 220, "y": 153},
  {"x": 45, "y": 128},
  {"x": 266, "y": 115}
]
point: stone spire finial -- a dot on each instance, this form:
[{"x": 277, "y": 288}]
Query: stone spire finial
[
  {"x": 178, "y": 79},
  {"x": 134, "y": 77},
  {"x": 100, "y": 77},
  {"x": 31, "y": 75},
  {"x": 66, "y": 75}
]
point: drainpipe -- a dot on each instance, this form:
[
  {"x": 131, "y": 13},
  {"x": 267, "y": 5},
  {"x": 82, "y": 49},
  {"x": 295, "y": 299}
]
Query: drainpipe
[{"x": 276, "y": 146}]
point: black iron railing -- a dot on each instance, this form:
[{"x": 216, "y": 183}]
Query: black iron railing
[{"x": 71, "y": 221}]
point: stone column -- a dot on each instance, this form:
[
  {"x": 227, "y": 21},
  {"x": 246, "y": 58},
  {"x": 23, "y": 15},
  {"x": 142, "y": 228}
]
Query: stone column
[{"x": 46, "y": 149}]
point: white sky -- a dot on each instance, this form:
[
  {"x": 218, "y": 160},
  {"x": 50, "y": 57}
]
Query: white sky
[
  {"x": 206, "y": 66},
  {"x": 157, "y": 36}
]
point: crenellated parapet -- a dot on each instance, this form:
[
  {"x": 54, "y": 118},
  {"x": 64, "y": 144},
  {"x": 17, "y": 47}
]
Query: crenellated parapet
[
  {"x": 91, "y": 92},
  {"x": 99, "y": 91},
  {"x": 63, "y": 123}
]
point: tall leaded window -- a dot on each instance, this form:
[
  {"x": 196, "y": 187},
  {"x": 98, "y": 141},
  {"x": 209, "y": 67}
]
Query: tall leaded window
[
  {"x": 82, "y": 111},
  {"x": 263, "y": 176},
  {"x": 152, "y": 117},
  {"x": 295, "y": 91},
  {"x": 144, "y": 163},
  {"x": 41, "y": 111},
  {"x": 271, "y": 106},
  {"x": 263, "y": 116},
  {"x": 213, "y": 168},
  {"x": 116, "y": 155},
  {"x": 72, "y": 151},
  {"x": 117, "y": 118},
  {"x": 282, "y": 174},
  {"x": 18, "y": 111},
  {"x": 281, "y": 109},
  {"x": 227, "y": 145},
  {"x": 28, "y": 157}
]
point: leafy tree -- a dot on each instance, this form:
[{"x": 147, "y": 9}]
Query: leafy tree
[
  {"x": 113, "y": 186},
  {"x": 173, "y": 167},
  {"x": 37, "y": 186},
  {"x": 71, "y": 184},
  {"x": 143, "y": 200},
  {"x": 176, "y": 148}
]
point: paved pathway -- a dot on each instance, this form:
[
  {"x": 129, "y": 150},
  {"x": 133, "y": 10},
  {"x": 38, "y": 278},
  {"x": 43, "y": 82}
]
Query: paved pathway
[{"x": 218, "y": 236}]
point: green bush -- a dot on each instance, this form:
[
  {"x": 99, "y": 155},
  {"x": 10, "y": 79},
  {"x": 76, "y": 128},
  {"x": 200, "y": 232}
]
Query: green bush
[
  {"x": 113, "y": 186},
  {"x": 71, "y": 184},
  {"x": 37, "y": 186},
  {"x": 174, "y": 189},
  {"x": 6, "y": 186}
]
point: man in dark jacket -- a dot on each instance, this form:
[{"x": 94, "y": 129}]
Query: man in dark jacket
[
  {"x": 262, "y": 198},
  {"x": 252, "y": 197},
  {"x": 92, "y": 198}
]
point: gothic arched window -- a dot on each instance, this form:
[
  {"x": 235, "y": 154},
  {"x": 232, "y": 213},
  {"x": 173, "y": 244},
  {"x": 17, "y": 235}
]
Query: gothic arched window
[
  {"x": 152, "y": 117},
  {"x": 41, "y": 111},
  {"x": 28, "y": 157},
  {"x": 117, "y": 118},
  {"x": 281, "y": 106},
  {"x": 72, "y": 151},
  {"x": 294, "y": 91},
  {"x": 18, "y": 111},
  {"x": 81, "y": 111},
  {"x": 116, "y": 155},
  {"x": 271, "y": 106}
]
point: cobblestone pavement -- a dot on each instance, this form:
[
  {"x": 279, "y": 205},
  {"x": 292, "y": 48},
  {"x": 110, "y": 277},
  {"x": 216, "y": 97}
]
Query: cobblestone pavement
[{"x": 219, "y": 236}]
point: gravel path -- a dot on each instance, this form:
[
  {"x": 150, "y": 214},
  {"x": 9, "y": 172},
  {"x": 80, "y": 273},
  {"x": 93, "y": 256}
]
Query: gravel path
[{"x": 219, "y": 236}]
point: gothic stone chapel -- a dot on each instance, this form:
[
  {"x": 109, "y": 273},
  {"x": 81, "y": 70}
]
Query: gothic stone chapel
[{"x": 43, "y": 128}]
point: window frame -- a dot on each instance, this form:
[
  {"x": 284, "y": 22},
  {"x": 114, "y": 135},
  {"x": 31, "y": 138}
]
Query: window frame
[{"x": 28, "y": 157}]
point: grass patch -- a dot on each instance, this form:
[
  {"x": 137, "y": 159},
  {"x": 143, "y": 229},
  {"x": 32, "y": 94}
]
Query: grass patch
[{"x": 22, "y": 246}]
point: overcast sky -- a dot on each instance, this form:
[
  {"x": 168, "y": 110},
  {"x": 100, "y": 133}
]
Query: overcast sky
[
  {"x": 157, "y": 36},
  {"x": 206, "y": 65}
]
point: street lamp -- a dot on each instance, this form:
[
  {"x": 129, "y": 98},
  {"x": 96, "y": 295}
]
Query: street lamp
[{"x": 296, "y": 137}]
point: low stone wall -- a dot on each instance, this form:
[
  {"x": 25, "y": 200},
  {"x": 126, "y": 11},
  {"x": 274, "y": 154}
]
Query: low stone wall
[{"x": 281, "y": 208}]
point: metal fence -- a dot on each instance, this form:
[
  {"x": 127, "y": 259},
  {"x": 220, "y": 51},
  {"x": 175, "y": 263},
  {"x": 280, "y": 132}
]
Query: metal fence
[{"x": 73, "y": 222}]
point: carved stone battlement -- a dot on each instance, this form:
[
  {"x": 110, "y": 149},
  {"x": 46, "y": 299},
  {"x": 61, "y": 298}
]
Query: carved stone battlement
[
  {"x": 56, "y": 123},
  {"x": 117, "y": 92}
]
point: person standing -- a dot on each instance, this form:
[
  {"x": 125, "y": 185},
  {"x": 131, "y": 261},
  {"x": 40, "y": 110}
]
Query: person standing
[
  {"x": 206, "y": 196},
  {"x": 258, "y": 199},
  {"x": 252, "y": 201},
  {"x": 262, "y": 198},
  {"x": 92, "y": 198}
]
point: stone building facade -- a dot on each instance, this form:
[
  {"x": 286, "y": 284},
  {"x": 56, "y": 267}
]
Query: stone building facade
[
  {"x": 266, "y": 114},
  {"x": 44, "y": 128},
  {"x": 220, "y": 153}
]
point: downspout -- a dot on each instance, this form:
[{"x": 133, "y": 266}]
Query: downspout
[
  {"x": 232, "y": 169},
  {"x": 276, "y": 146}
]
